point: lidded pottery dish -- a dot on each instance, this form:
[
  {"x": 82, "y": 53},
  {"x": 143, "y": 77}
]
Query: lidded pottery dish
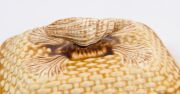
[{"x": 88, "y": 56}]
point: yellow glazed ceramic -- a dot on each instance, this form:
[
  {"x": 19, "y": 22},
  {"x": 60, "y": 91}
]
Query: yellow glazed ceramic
[{"x": 88, "y": 56}]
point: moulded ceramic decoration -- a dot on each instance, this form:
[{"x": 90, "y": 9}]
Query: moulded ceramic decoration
[{"x": 88, "y": 56}]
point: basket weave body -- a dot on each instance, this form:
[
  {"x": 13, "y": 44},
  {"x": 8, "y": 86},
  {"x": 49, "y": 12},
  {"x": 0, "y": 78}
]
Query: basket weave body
[{"x": 137, "y": 62}]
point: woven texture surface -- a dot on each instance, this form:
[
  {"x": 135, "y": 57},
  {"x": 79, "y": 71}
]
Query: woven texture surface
[{"x": 139, "y": 64}]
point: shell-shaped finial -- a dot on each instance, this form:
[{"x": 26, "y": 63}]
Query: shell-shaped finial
[{"x": 81, "y": 31}]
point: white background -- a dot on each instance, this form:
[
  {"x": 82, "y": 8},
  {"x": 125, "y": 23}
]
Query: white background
[{"x": 163, "y": 16}]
